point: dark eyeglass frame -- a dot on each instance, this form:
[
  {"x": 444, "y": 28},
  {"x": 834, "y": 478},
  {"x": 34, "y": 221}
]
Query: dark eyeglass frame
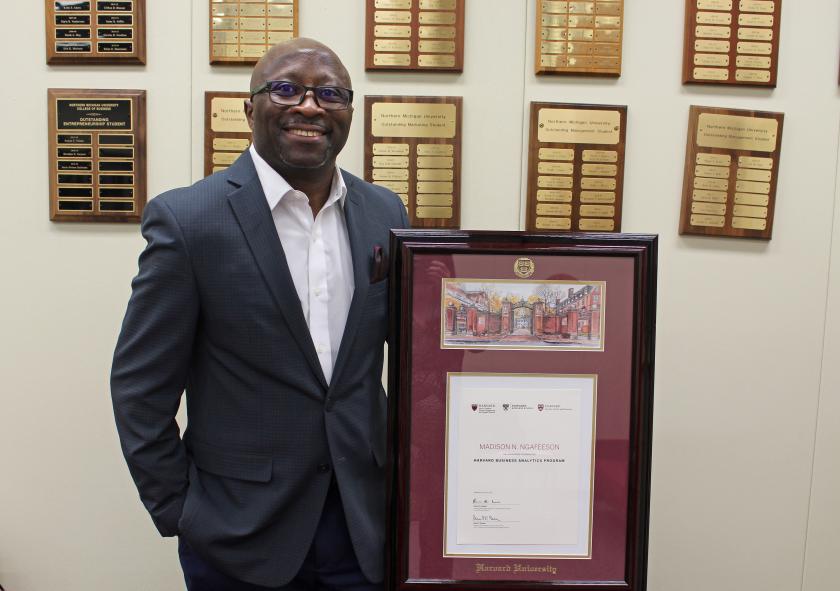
[{"x": 327, "y": 106}]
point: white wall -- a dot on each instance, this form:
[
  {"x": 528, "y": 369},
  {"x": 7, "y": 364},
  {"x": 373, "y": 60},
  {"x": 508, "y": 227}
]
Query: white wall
[{"x": 747, "y": 414}]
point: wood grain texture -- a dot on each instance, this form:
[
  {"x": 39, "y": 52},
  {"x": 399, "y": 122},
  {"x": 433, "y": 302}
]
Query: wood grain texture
[
  {"x": 533, "y": 161},
  {"x": 414, "y": 39},
  {"x": 691, "y": 152},
  {"x": 138, "y": 131},
  {"x": 455, "y": 220}
]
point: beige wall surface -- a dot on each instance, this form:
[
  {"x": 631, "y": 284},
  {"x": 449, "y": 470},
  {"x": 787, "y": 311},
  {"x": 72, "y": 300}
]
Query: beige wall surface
[{"x": 747, "y": 414}]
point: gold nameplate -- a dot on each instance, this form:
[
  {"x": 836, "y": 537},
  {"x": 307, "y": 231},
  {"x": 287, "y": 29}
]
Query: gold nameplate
[
  {"x": 554, "y": 223},
  {"x": 749, "y": 223},
  {"x": 255, "y": 51},
  {"x": 252, "y": 10},
  {"x": 555, "y": 209},
  {"x": 257, "y": 37},
  {"x": 435, "y": 200},
  {"x": 597, "y": 184},
  {"x": 735, "y": 132},
  {"x": 714, "y": 18},
  {"x": 553, "y": 195},
  {"x": 412, "y": 120},
  {"x": 752, "y": 199},
  {"x": 715, "y": 172},
  {"x": 230, "y": 144},
  {"x": 392, "y": 59},
  {"x": 600, "y": 156},
  {"x": 436, "y": 32},
  {"x": 395, "y": 186},
  {"x": 755, "y": 20},
  {"x": 714, "y": 4},
  {"x": 753, "y": 61},
  {"x": 755, "y": 47},
  {"x": 252, "y": 24},
  {"x": 613, "y": 8},
  {"x": 393, "y": 4},
  {"x": 582, "y": 7},
  {"x": 225, "y": 10},
  {"x": 752, "y": 75},
  {"x": 225, "y": 23},
  {"x": 757, "y": 6},
  {"x": 426, "y": 46},
  {"x": 437, "y": 4},
  {"x": 755, "y": 162},
  {"x": 436, "y": 61},
  {"x": 597, "y": 211},
  {"x": 711, "y": 221},
  {"x": 225, "y": 37},
  {"x": 752, "y": 187},
  {"x": 226, "y": 158},
  {"x": 711, "y": 74},
  {"x": 228, "y": 114},
  {"x": 565, "y": 168},
  {"x": 553, "y": 47},
  {"x": 708, "y": 208},
  {"x": 755, "y": 34},
  {"x": 425, "y": 212},
  {"x": 281, "y": 11},
  {"x": 711, "y": 184},
  {"x": 599, "y": 169},
  {"x": 380, "y": 149},
  {"x": 281, "y": 24},
  {"x": 392, "y": 31},
  {"x": 711, "y": 59},
  {"x": 596, "y": 225},
  {"x": 434, "y": 187},
  {"x": 392, "y": 45},
  {"x": 435, "y": 162},
  {"x": 554, "y": 6},
  {"x": 390, "y": 161},
  {"x": 435, "y": 174},
  {"x": 714, "y": 159},
  {"x": 437, "y": 18},
  {"x": 555, "y": 182},
  {"x": 705, "y": 45},
  {"x": 750, "y": 174},
  {"x": 713, "y": 32},
  {"x": 275, "y": 37},
  {"x": 582, "y": 126},
  {"x": 601, "y": 197},
  {"x": 559, "y": 20},
  {"x": 390, "y": 174},
  {"x": 435, "y": 150},
  {"x": 392, "y": 16},
  {"x": 556, "y": 154},
  {"x": 749, "y": 211},
  {"x": 709, "y": 196}
]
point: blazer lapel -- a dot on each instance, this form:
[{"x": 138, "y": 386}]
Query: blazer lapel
[
  {"x": 355, "y": 218},
  {"x": 251, "y": 210}
]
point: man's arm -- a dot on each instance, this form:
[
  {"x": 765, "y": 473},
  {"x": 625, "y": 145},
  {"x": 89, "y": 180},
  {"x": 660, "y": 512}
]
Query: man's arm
[{"x": 151, "y": 364}]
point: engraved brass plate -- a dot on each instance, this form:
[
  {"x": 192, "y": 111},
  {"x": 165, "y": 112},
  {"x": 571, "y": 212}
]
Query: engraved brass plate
[
  {"x": 714, "y": 18},
  {"x": 755, "y": 20},
  {"x": 435, "y": 174},
  {"x": 596, "y": 225},
  {"x": 757, "y": 6},
  {"x": 600, "y": 156},
  {"x": 714, "y": 4},
  {"x": 435, "y": 200},
  {"x": 435, "y": 187},
  {"x": 393, "y": 4},
  {"x": 747, "y": 34},
  {"x": 564, "y": 168},
  {"x": 392, "y": 59},
  {"x": 228, "y": 114},
  {"x": 392, "y": 16},
  {"x": 437, "y": 18},
  {"x": 436, "y": 61},
  {"x": 711, "y": 184},
  {"x": 749, "y": 211},
  {"x": 437, "y": 4},
  {"x": 380, "y": 149},
  {"x": 710, "y": 46},
  {"x": 395, "y": 186},
  {"x": 230, "y": 144},
  {"x": 410, "y": 120},
  {"x": 755, "y": 47},
  {"x": 435, "y": 150},
  {"x": 752, "y": 187},
  {"x": 749, "y": 223},
  {"x": 579, "y": 126},
  {"x": 554, "y": 209},
  {"x": 424, "y": 212},
  {"x": 599, "y": 169},
  {"x": 752, "y": 199},
  {"x": 390, "y": 174},
  {"x": 751, "y": 174},
  {"x": 708, "y": 208},
  {"x": 753, "y": 61},
  {"x": 428, "y": 46},
  {"x": 556, "y": 154},
  {"x": 554, "y": 223},
  {"x": 598, "y": 184},
  {"x": 752, "y": 75},
  {"x": 225, "y": 158},
  {"x": 392, "y": 45},
  {"x": 711, "y": 74},
  {"x": 392, "y": 31},
  {"x": 711, "y": 32},
  {"x": 602, "y": 197},
  {"x": 755, "y": 162},
  {"x": 710, "y": 196},
  {"x": 711, "y": 59},
  {"x": 715, "y": 172},
  {"x": 436, "y": 32},
  {"x": 735, "y": 132},
  {"x": 555, "y": 182},
  {"x": 711, "y": 221},
  {"x": 435, "y": 162},
  {"x": 714, "y": 159},
  {"x": 390, "y": 161},
  {"x": 597, "y": 211},
  {"x": 553, "y": 195}
]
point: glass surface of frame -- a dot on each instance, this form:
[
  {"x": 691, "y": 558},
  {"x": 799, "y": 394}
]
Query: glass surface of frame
[{"x": 519, "y": 411}]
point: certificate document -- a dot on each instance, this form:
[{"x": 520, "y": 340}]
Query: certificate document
[{"x": 519, "y": 458}]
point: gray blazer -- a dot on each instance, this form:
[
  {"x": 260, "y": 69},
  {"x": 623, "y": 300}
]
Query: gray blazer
[{"x": 214, "y": 311}]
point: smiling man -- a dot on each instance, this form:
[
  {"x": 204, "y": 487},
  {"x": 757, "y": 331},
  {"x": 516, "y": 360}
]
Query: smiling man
[{"x": 262, "y": 293}]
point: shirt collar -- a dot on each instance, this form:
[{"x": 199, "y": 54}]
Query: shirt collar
[{"x": 276, "y": 187}]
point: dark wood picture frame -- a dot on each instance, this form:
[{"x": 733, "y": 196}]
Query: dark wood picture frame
[
  {"x": 83, "y": 151},
  {"x": 421, "y": 261},
  {"x": 75, "y": 27}
]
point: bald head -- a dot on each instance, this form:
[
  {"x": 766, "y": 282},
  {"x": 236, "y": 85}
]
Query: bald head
[{"x": 298, "y": 48}]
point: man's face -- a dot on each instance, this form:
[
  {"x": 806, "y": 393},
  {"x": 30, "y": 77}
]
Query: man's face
[{"x": 303, "y": 140}]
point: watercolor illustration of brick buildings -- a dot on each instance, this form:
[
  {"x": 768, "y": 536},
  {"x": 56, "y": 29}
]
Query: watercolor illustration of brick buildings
[{"x": 522, "y": 314}]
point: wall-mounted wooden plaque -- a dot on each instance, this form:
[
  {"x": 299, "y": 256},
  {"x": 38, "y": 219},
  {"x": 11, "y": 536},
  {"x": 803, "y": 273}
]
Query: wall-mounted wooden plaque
[
  {"x": 731, "y": 172},
  {"x": 241, "y": 31},
  {"x": 579, "y": 37},
  {"x": 576, "y": 167},
  {"x": 226, "y": 131},
  {"x": 731, "y": 42},
  {"x": 96, "y": 31},
  {"x": 413, "y": 147},
  {"x": 97, "y": 143},
  {"x": 425, "y": 35}
]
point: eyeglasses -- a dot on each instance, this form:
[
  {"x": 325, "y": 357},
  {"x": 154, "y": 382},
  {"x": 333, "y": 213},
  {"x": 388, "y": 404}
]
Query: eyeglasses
[{"x": 291, "y": 94}]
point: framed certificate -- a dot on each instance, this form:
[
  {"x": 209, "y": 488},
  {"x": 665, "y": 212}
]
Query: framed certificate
[{"x": 521, "y": 380}]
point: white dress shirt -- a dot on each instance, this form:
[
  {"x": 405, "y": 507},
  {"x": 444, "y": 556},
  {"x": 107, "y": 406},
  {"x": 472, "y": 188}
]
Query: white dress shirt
[{"x": 318, "y": 253}]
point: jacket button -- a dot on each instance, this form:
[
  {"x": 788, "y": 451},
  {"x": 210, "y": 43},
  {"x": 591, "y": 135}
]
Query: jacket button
[{"x": 323, "y": 468}]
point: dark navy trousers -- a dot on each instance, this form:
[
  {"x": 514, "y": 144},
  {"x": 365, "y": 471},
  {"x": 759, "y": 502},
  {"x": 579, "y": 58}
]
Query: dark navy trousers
[{"x": 330, "y": 564}]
